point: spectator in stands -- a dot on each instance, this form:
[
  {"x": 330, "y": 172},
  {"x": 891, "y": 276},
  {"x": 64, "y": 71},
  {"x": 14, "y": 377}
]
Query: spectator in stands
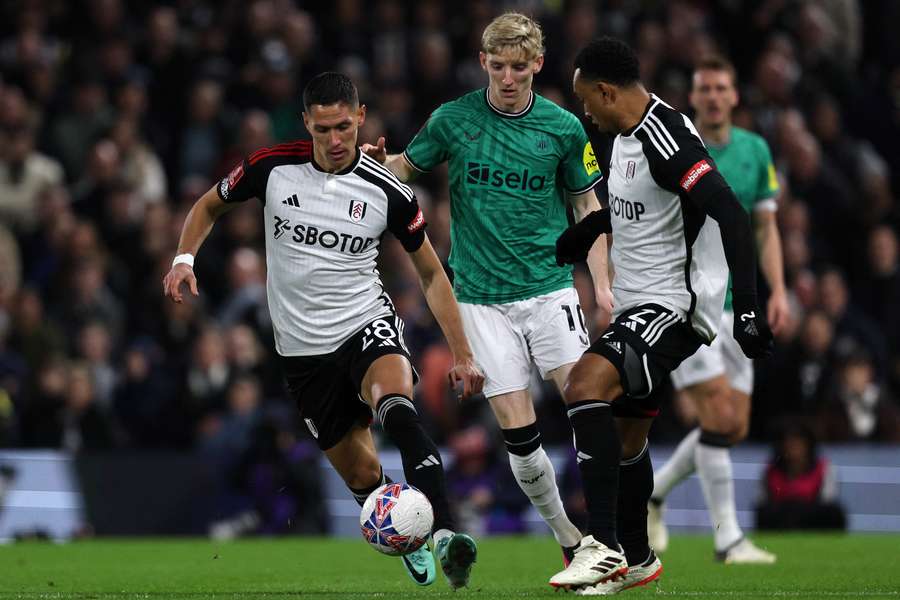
[
  {"x": 800, "y": 487},
  {"x": 858, "y": 407},
  {"x": 24, "y": 173}
]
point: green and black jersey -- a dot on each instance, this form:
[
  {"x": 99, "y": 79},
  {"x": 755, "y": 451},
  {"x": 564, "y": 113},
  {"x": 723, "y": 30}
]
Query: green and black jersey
[{"x": 509, "y": 175}]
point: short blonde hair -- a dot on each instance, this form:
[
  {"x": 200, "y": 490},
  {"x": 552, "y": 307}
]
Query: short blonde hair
[{"x": 513, "y": 30}]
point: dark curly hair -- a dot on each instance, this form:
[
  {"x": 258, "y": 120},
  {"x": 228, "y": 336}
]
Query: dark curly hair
[{"x": 609, "y": 59}]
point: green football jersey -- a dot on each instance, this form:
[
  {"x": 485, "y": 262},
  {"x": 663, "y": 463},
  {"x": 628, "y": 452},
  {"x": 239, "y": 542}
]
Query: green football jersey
[
  {"x": 746, "y": 164},
  {"x": 509, "y": 174}
]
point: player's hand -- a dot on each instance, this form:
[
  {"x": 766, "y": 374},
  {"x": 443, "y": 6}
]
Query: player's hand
[
  {"x": 751, "y": 331},
  {"x": 605, "y": 306},
  {"x": 778, "y": 311},
  {"x": 377, "y": 151},
  {"x": 466, "y": 371},
  {"x": 576, "y": 241},
  {"x": 178, "y": 274}
]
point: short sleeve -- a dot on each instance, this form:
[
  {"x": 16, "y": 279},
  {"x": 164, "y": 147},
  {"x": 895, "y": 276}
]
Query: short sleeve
[
  {"x": 405, "y": 219},
  {"x": 580, "y": 170},
  {"x": 242, "y": 183},
  {"x": 767, "y": 188},
  {"x": 678, "y": 160},
  {"x": 429, "y": 148}
]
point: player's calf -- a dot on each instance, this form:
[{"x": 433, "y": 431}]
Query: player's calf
[{"x": 422, "y": 463}]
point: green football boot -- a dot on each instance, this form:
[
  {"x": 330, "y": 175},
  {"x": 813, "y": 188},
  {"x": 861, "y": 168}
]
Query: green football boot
[
  {"x": 457, "y": 554},
  {"x": 420, "y": 565}
]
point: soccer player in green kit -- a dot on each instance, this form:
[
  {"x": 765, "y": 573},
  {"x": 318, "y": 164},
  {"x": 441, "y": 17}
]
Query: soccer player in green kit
[
  {"x": 515, "y": 160},
  {"x": 718, "y": 379}
]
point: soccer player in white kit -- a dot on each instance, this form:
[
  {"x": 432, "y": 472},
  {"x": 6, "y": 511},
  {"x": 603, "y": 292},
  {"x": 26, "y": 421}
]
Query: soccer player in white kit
[
  {"x": 326, "y": 205},
  {"x": 677, "y": 230},
  {"x": 718, "y": 379}
]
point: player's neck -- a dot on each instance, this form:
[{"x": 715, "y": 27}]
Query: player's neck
[
  {"x": 716, "y": 134},
  {"x": 634, "y": 107},
  {"x": 326, "y": 164},
  {"x": 499, "y": 105}
]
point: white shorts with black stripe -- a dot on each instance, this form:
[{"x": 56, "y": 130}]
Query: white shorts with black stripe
[{"x": 645, "y": 344}]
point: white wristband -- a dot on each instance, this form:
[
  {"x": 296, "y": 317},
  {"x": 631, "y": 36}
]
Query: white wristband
[{"x": 186, "y": 259}]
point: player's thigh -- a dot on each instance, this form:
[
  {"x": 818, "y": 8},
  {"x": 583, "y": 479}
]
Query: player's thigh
[
  {"x": 355, "y": 459},
  {"x": 593, "y": 377},
  {"x": 498, "y": 346},
  {"x": 554, "y": 330},
  {"x": 388, "y": 374},
  {"x": 513, "y": 409},
  {"x": 633, "y": 432}
]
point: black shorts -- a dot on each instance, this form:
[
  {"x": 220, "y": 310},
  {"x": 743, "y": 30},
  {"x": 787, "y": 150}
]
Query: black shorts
[
  {"x": 645, "y": 344},
  {"x": 326, "y": 387}
]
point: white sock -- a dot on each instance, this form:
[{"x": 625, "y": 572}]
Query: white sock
[
  {"x": 440, "y": 534},
  {"x": 714, "y": 470},
  {"x": 678, "y": 468},
  {"x": 537, "y": 478}
]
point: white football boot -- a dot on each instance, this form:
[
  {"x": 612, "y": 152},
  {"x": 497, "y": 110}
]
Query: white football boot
[
  {"x": 593, "y": 563},
  {"x": 746, "y": 552},
  {"x": 637, "y": 575}
]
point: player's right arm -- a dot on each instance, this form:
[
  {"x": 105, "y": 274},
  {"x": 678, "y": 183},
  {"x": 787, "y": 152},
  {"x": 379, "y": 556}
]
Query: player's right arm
[
  {"x": 197, "y": 225},
  {"x": 245, "y": 181}
]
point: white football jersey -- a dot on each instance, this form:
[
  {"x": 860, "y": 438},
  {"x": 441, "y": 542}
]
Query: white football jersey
[
  {"x": 323, "y": 233},
  {"x": 665, "y": 249}
]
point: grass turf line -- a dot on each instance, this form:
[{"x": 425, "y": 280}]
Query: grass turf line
[{"x": 809, "y": 566}]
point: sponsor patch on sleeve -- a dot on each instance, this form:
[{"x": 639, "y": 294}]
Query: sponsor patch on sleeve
[
  {"x": 589, "y": 160},
  {"x": 417, "y": 223},
  {"x": 231, "y": 180},
  {"x": 694, "y": 174},
  {"x": 773, "y": 178}
]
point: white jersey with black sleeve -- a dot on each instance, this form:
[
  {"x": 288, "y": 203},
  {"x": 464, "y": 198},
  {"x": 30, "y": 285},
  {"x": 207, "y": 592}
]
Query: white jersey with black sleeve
[
  {"x": 323, "y": 234},
  {"x": 665, "y": 249}
]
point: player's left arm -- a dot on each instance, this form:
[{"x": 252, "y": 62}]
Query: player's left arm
[
  {"x": 679, "y": 162},
  {"x": 768, "y": 241},
  {"x": 439, "y": 296},
  {"x": 597, "y": 258}
]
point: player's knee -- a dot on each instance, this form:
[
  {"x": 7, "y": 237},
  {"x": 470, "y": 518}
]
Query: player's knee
[
  {"x": 579, "y": 389},
  {"x": 739, "y": 432}
]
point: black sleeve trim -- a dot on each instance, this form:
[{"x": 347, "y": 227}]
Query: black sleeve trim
[{"x": 585, "y": 190}]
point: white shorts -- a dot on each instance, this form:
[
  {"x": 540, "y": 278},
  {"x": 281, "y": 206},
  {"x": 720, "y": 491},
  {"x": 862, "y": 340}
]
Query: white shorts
[
  {"x": 547, "y": 330},
  {"x": 723, "y": 357}
]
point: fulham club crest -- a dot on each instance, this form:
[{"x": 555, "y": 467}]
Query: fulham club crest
[
  {"x": 357, "y": 210},
  {"x": 629, "y": 171}
]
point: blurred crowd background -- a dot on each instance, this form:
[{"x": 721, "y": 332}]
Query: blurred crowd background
[{"x": 116, "y": 116}]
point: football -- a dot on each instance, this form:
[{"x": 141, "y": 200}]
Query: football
[{"x": 396, "y": 519}]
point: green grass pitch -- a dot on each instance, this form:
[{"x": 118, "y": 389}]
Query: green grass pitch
[{"x": 809, "y": 566}]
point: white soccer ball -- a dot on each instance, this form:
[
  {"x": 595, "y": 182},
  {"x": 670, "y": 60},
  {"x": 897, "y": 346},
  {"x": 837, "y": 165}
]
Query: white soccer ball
[{"x": 396, "y": 519}]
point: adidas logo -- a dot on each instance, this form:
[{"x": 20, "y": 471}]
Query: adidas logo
[
  {"x": 292, "y": 201},
  {"x": 582, "y": 456},
  {"x": 430, "y": 461}
]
